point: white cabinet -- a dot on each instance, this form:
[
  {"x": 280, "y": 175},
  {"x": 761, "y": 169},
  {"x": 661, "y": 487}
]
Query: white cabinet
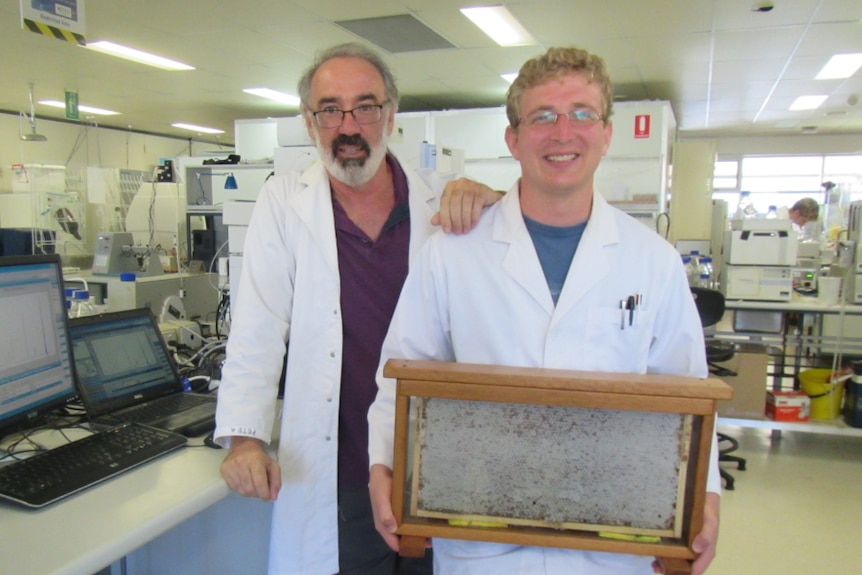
[
  {"x": 479, "y": 132},
  {"x": 634, "y": 174}
]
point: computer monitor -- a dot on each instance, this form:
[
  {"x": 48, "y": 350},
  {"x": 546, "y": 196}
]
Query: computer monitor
[{"x": 36, "y": 370}]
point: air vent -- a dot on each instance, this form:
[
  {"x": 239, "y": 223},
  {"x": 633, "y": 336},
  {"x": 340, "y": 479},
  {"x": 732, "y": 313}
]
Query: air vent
[{"x": 397, "y": 34}]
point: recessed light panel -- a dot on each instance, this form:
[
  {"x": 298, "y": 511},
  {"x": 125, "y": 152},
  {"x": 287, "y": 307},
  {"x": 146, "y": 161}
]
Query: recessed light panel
[
  {"x": 201, "y": 129},
  {"x": 135, "y": 55},
  {"x": 840, "y": 66},
  {"x": 274, "y": 95},
  {"x": 81, "y": 108},
  {"x": 498, "y": 23},
  {"x": 807, "y": 102}
]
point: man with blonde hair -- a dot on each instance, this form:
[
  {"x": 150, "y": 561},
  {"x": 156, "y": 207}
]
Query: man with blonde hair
[{"x": 538, "y": 283}]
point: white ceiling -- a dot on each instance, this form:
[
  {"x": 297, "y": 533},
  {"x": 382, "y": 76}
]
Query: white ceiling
[{"x": 725, "y": 68}]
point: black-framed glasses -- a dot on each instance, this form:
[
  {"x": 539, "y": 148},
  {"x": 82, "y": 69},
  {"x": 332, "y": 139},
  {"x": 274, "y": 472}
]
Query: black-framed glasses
[
  {"x": 547, "y": 118},
  {"x": 332, "y": 117}
]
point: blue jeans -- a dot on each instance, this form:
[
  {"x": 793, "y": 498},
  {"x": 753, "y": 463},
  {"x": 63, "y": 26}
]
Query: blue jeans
[{"x": 361, "y": 550}]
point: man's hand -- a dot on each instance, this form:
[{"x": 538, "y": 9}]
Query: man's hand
[
  {"x": 704, "y": 542},
  {"x": 462, "y": 204},
  {"x": 380, "y": 489},
  {"x": 249, "y": 470}
]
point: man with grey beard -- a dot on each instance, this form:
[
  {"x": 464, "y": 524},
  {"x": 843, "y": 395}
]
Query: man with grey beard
[{"x": 326, "y": 255}]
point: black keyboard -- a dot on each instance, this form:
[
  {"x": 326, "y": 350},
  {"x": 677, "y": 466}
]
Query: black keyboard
[
  {"x": 62, "y": 471},
  {"x": 164, "y": 407}
]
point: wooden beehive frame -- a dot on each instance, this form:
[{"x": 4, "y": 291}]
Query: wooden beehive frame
[{"x": 694, "y": 399}]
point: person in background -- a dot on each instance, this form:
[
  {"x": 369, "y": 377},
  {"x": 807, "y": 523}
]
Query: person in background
[
  {"x": 538, "y": 283},
  {"x": 326, "y": 255},
  {"x": 804, "y": 211}
]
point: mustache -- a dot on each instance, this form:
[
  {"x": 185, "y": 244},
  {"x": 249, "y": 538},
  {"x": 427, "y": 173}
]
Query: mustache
[{"x": 349, "y": 140}]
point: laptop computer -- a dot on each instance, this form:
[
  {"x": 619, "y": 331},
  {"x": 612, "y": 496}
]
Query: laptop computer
[{"x": 125, "y": 373}]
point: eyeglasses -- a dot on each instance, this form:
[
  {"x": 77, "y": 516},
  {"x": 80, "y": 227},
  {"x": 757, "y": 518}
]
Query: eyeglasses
[
  {"x": 547, "y": 118},
  {"x": 332, "y": 117}
]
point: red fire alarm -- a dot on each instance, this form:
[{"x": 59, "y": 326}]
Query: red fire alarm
[{"x": 642, "y": 126}]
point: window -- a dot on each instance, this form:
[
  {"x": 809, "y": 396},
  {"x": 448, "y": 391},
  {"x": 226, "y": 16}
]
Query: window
[{"x": 783, "y": 180}]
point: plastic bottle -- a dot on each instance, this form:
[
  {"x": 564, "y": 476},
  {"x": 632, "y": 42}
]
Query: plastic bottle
[
  {"x": 69, "y": 294},
  {"x": 81, "y": 304},
  {"x": 745, "y": 208},
  {"x": 772, "y": 213},
  {"x": 705, "y": 267},
  {"x": 690, "y": 269},
  {"x": 695, "y": 271},
  {"x": 703, "y": 281}
]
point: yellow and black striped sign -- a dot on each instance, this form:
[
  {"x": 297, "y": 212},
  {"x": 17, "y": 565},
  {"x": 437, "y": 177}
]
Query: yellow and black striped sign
[{"x": 54, "y": 32}]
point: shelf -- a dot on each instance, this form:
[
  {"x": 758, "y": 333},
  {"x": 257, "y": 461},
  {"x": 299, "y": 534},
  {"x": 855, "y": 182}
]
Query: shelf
[{"x": 834, "y": 427}]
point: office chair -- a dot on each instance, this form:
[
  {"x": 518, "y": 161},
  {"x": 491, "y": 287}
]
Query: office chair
[{"x": 710, "y": 308}]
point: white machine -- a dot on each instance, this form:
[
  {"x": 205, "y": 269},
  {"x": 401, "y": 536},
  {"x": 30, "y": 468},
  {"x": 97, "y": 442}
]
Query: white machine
[
  {"x": 116, "y": 253},
  {"x": 759, "y": 256},
  {"x": 760, "y": 283}
]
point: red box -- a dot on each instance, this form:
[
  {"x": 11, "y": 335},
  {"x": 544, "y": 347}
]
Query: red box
[{"x": 788, "y": 406}]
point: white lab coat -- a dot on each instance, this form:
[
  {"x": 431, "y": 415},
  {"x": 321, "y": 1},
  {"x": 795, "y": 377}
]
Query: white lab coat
[
  {"x": 483, "y": 298},
  {"x": 290, "y": 289}
]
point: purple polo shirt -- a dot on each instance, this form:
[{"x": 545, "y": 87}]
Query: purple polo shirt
[{"x": 372, "y": 274}]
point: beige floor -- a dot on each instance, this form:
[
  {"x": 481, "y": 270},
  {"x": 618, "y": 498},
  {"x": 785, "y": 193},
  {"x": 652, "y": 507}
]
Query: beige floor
[{"x": 797, "y": 509}]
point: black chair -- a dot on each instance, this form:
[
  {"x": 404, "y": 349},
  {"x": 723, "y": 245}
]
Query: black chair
[{"x": 710, "y": 307}]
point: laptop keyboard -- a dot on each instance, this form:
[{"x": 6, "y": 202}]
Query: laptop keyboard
[
  {"x": 164, "y": 407},
  {"x": 62, "y": 471}
]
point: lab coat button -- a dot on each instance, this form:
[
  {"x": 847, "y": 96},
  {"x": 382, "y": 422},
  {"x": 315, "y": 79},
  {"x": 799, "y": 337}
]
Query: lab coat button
[
  {"x": 331, "y": 354},
  {"x": 328, "y": 438}
]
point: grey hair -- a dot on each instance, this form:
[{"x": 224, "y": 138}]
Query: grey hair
[{"x": 349, "y": 50}]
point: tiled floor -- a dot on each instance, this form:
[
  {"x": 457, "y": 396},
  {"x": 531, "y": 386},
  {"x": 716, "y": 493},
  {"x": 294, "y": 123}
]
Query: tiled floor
[{"x": 797, "y": 509}]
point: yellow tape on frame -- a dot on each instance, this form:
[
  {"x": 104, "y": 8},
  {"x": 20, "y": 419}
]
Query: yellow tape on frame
[{"x": 54, "y": 32}]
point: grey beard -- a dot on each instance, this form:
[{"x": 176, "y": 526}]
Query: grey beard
[{"x": 353, "y": 171}]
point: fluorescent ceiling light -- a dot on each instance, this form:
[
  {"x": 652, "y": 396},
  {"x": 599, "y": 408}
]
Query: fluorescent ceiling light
[
  {"x": 498, "y": 23},
  {"x": 840, "y": 66},
  {"x": 273, "y": 95},
  {"x": 807, "y": 102},
  {"x": 138, "y": 56},
  {"x": 509, "y": 77},
  {"x": 193, "y": 128},
  {"x": 87, "y": 109}
]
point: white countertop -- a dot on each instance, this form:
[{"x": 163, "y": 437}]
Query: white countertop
[{"x": 88, "y": 531}]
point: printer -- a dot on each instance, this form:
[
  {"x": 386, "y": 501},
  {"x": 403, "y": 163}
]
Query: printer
[{"x": 759, "y": 257}]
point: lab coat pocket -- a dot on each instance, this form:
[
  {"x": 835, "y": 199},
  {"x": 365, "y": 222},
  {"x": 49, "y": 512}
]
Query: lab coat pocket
[{"x": 618, "y": 339}]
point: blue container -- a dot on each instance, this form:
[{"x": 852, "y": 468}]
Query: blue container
[
  {"x": 853, "y": 403},
  {"x": 853, "y": 396}
]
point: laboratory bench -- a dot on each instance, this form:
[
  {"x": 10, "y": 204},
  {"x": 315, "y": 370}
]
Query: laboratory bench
[
  {"x": 796, "y": 335},
  {"x": 172, "y": 515}
]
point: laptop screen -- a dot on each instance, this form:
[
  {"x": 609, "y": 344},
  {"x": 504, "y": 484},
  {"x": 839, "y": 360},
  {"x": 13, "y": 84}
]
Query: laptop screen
[{"x": 120, "y": 360}]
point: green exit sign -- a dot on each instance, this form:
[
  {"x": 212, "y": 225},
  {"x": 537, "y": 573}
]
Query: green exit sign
[{"x": 72, "y": 105}]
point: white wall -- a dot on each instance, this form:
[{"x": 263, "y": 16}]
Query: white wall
[
  {"x": 80, "y": 145},
  {"x": 784, "y": 145}
]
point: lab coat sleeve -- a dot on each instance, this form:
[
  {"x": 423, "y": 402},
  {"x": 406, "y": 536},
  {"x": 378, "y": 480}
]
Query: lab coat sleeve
[
  {"x": 419, "y": 330},
  {"x": 260, "y": 323}
]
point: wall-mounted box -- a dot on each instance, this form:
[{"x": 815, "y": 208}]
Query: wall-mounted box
[{"x": 556, "y": 458}]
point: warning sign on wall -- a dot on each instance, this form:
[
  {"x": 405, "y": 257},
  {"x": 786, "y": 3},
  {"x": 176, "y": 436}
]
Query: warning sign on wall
[{"x": 642, "y": 126}]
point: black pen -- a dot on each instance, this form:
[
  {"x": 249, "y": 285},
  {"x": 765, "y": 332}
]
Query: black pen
[{"x": 630, "y": 305}]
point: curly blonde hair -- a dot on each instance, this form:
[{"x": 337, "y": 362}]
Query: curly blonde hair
[{"x": 557, "y": 63}]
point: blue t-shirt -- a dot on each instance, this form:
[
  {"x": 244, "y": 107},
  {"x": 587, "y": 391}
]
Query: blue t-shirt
[{"x": 555, "y": 246}]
